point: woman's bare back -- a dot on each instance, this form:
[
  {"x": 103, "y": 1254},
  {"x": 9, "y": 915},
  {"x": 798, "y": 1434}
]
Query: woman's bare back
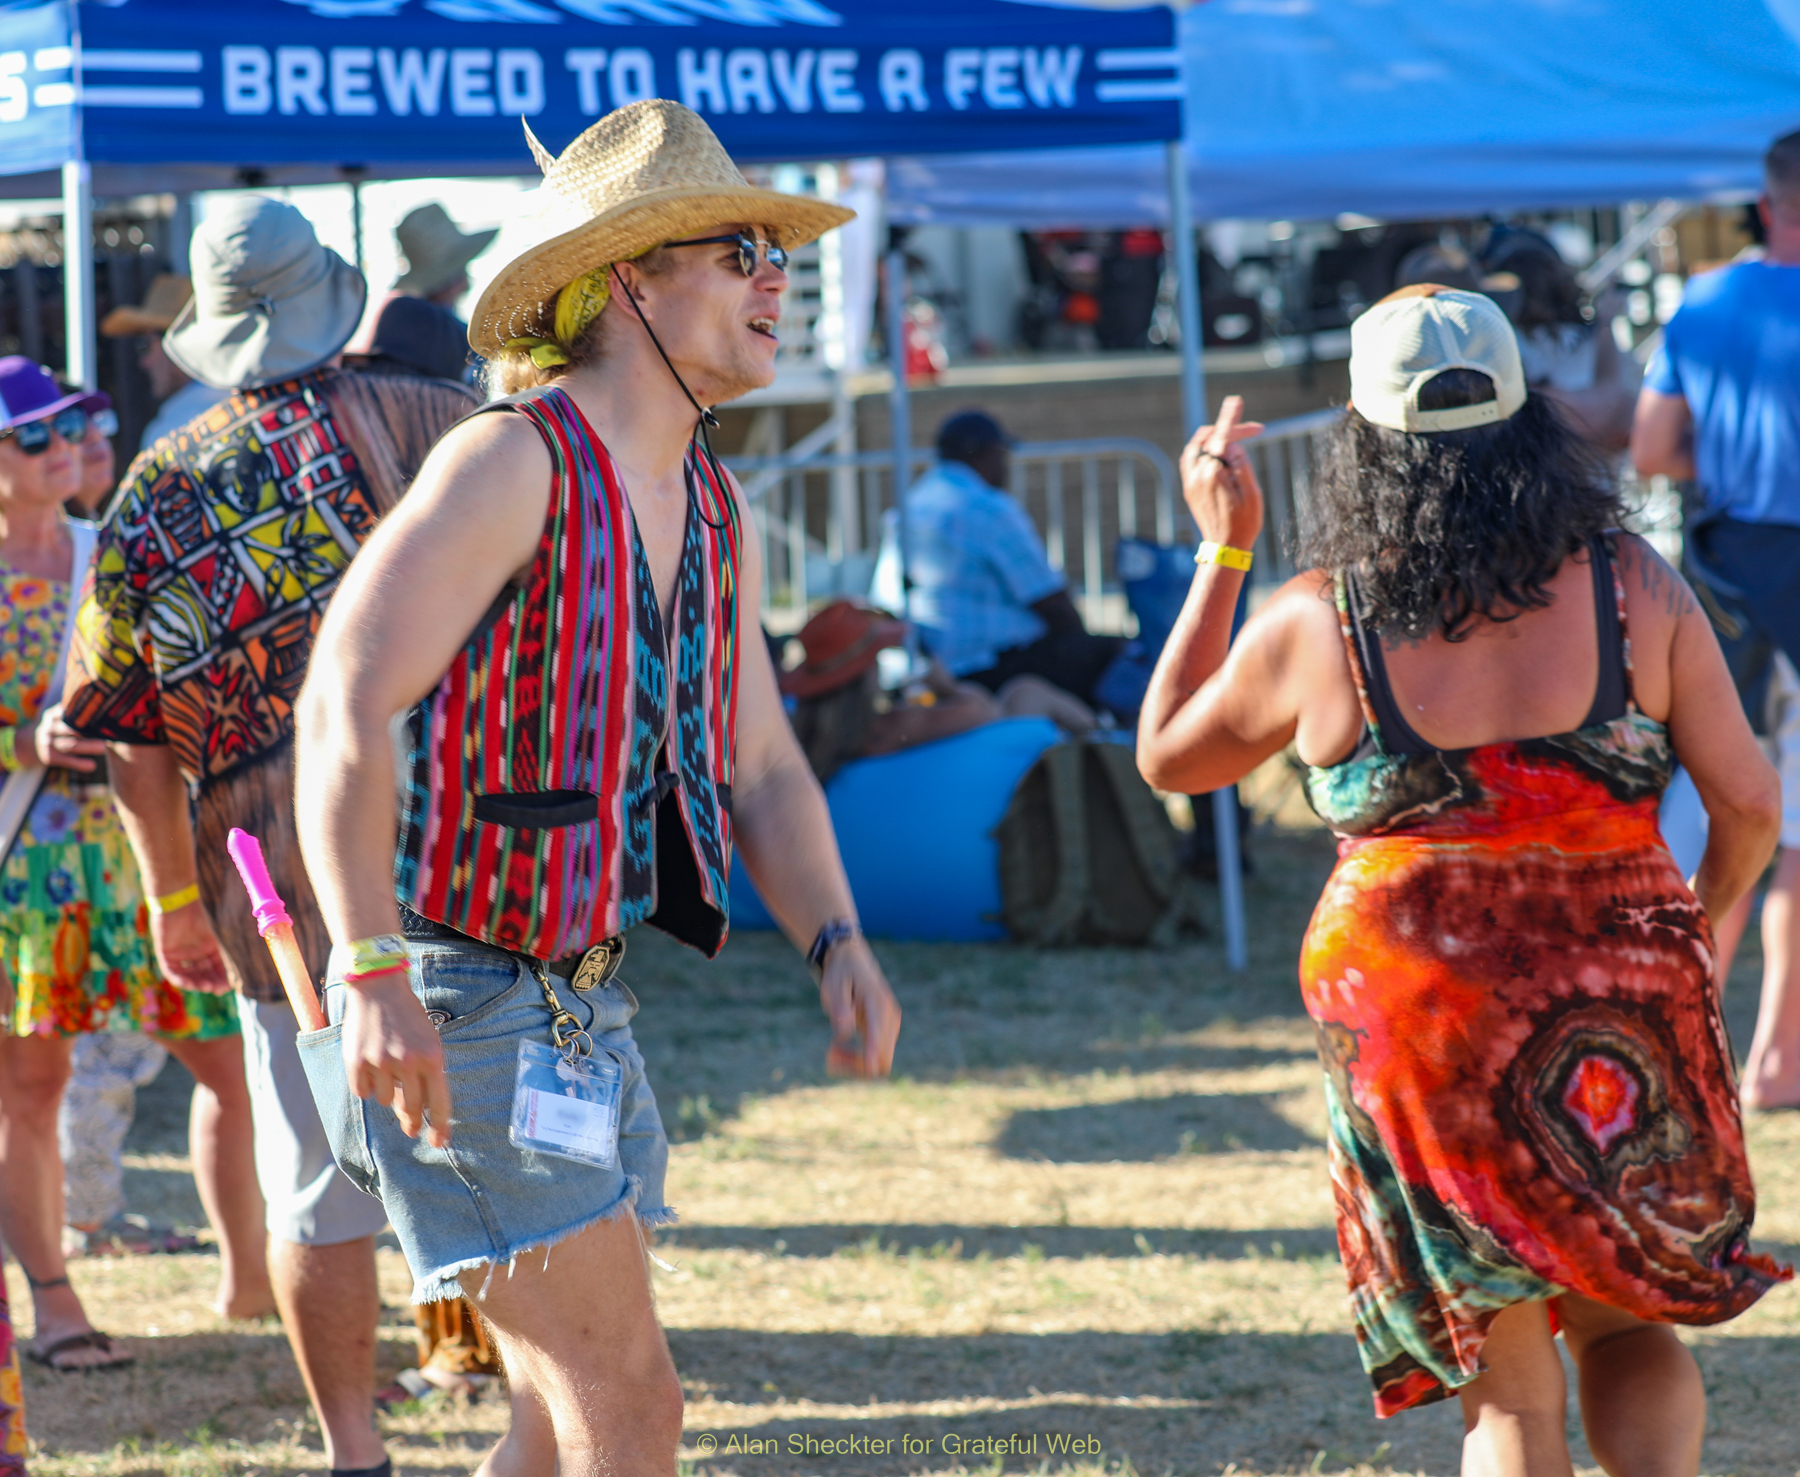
[{"x": 1523, "y": 678}]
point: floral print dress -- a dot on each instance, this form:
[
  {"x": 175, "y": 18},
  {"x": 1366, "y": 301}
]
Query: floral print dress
[{"x": 74, "y": 931}]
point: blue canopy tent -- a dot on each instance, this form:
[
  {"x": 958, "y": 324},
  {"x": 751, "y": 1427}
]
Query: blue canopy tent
[
  {"x": 127, "y": 96},
  {"x": 1421, "y": 108}
]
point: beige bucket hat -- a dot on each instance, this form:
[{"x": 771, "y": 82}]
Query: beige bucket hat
[
  {"x": 646, "y": 173},
  {"x": 269, "y": 304},
  {"x": 162, "y": 305},
  {"x": 436, "y": 251}
]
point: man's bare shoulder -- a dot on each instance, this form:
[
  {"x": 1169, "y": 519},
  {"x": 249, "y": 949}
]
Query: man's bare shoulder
[{"x": 492, "y": 452}]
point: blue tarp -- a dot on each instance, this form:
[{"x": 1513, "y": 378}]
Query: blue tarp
[
  {"x": 260, "y": 84},
  {"x": 1416, "y": 108}
]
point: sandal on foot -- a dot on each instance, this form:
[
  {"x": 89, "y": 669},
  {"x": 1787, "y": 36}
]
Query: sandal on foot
[{"x": 92, "y": 1339}]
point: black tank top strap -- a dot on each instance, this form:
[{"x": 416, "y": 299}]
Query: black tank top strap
[
  {"x": 1612, "y": 693},
  {"x": 1382, "y": 712}
]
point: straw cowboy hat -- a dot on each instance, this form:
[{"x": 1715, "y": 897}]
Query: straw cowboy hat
[
  {"x": 436, "y": 252},
  {"x": 270, "y": 303},
  {"x": 646, "y": 173},
  {"x": 161, "y": 306}
]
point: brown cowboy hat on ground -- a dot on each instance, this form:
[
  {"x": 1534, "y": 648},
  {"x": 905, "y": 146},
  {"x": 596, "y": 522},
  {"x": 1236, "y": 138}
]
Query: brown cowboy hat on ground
[
  {"x": 841, "y": 642},
  {"x": 436, "y": 252},
  {"x": 162, "y": 305},
  {"x": 646, "y": 173}
]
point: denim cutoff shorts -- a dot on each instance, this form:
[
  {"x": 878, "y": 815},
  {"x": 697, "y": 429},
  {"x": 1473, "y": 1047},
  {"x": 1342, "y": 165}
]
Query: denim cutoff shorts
[{"x": 482, "y": 1201}]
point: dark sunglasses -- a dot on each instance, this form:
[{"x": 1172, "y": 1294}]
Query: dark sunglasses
[
  {"x": 748, "y": 249},
  {"x": 71, "y": 424}
]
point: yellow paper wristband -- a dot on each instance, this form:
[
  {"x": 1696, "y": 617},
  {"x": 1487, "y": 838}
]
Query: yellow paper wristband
[
  {"x": 377, "y": 955},
  {"x": 1211, "y": 553},
  {"x": 170, "y": 901},
  {"x": 9, "y": 749}
]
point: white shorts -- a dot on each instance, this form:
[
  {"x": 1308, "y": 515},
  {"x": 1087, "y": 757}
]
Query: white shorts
[{"x": 310, "y": 1201}]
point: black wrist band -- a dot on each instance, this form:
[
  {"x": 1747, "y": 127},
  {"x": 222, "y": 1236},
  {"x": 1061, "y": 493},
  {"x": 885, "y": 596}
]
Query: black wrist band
[{"x": 833, "y": 933}]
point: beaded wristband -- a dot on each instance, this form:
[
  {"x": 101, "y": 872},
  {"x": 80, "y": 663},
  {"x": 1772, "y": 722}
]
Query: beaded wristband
[
  {"x": 1211, "y": 553},
  {"x": 170, "y": 901},
  {"x": 376, "y": 955},
  {"x": 9, "y": 749}
]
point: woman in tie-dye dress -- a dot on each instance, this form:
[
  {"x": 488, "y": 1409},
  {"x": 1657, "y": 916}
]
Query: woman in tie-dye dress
[{"x": 1534, "y": 1125}]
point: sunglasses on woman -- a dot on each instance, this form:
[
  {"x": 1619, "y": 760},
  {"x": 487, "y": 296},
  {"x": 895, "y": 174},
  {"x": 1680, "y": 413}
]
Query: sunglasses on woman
[
  {"x": 71, "y": 424},
  {"x": 748, "y": 250}
]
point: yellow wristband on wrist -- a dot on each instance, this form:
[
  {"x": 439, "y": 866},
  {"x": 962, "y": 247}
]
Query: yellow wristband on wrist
[
  {"x": 9, "y": 749},
  {"x": 377, "y": 955},
  {"x": 1211, "y": 553},
  {"x": 170, "y": 902}
]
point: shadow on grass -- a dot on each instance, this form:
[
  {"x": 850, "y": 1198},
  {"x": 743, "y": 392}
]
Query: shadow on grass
[
  {"x": 1187, "y": 1401},
  {"x": 1145, "y": 1129},
  {"x": 965, "y": 1243},
  {"x": 227, "y": 1384}
]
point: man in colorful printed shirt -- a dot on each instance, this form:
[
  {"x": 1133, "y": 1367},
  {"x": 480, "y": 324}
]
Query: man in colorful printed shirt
[{"x": 212, "y": 573}]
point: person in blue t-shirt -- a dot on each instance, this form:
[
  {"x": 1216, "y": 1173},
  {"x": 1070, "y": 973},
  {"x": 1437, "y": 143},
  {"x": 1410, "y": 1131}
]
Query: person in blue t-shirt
[
  {"x": 1720, "y": 406},
  {"x": 983, "y": 593}
]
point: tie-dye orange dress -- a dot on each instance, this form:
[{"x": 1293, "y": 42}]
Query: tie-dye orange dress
[{"x": 1530, "y": 1087}]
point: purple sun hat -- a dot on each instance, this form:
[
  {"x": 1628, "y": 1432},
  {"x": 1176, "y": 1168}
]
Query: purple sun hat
[{"x": 28, "y": 393}]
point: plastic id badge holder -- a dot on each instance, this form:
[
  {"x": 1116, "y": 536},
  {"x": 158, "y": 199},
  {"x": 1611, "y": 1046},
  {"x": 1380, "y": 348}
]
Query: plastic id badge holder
[{"x": 567, "y": 1106}]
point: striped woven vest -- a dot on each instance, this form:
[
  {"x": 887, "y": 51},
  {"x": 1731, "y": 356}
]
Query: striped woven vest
[{"x": 549, "y": 801}]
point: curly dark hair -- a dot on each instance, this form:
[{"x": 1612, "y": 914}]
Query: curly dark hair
[{"x": 1448, "y": 528}]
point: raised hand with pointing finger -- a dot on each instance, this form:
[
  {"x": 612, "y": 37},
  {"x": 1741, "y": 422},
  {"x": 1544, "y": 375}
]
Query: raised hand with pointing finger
[{"x": 1218, "y": 481}]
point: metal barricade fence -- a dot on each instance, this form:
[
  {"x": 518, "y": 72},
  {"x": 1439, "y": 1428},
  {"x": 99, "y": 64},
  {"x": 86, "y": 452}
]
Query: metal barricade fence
[{"x": 821, "y": 517}]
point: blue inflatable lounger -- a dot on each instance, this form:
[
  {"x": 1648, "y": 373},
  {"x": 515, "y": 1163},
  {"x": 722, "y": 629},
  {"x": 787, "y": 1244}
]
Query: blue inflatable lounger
[{"x": 917, "y": 833}]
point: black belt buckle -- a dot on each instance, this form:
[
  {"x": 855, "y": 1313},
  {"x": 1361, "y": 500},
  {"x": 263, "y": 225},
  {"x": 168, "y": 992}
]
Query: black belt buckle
[{"x": 599, "y": 964}]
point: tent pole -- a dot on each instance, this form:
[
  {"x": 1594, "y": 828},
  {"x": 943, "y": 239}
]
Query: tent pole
[
  {"x": 900, "y": 423},
  {"x": 356, "y": 219},
  {"x": 80, "y": 362},
  {"x": 1193, "y": 416}
]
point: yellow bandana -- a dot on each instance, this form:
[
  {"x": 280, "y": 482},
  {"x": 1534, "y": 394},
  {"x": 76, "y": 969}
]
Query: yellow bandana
[{"x": 577, "y": 306}]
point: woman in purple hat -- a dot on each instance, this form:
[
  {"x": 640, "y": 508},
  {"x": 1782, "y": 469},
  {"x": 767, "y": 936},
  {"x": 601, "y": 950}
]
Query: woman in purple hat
[{"x": 74, "y": 923}]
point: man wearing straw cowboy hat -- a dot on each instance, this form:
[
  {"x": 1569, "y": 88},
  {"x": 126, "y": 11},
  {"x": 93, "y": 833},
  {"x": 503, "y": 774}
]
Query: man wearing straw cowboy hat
[
  {"x": 227, "y": 539},
  {"x": 564, "y": 618}
]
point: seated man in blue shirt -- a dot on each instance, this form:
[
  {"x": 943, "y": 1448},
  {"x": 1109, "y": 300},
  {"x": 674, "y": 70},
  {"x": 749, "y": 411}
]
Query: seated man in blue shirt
[
  {"x": 984, "y": 596},
  {"x": 1721, "y": 406}
]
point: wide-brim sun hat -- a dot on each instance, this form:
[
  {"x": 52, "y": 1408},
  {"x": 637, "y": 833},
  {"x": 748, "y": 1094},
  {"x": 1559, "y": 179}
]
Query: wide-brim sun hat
[
  {"x": 1415, "y": 334},
  {"x": 645, "y": 174},
  {"x": 270, "y": 302},
  {"x": 437, "y": 250},
  {"x": 841, "y": 643}
]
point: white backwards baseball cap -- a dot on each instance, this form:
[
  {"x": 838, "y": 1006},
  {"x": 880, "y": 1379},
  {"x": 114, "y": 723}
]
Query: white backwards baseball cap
[{"x": 1402, "y": 341}]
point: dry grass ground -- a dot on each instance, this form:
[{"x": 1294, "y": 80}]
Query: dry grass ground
[{"x": 1086, "y": 1228}]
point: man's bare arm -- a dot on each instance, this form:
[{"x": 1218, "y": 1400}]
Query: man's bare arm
[
  {"x": 1662, "y": 436},
  {"x": 152, "y": 800},
  {"x": 415, "y": 592},
  {"x": 784, "y": 831}
]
